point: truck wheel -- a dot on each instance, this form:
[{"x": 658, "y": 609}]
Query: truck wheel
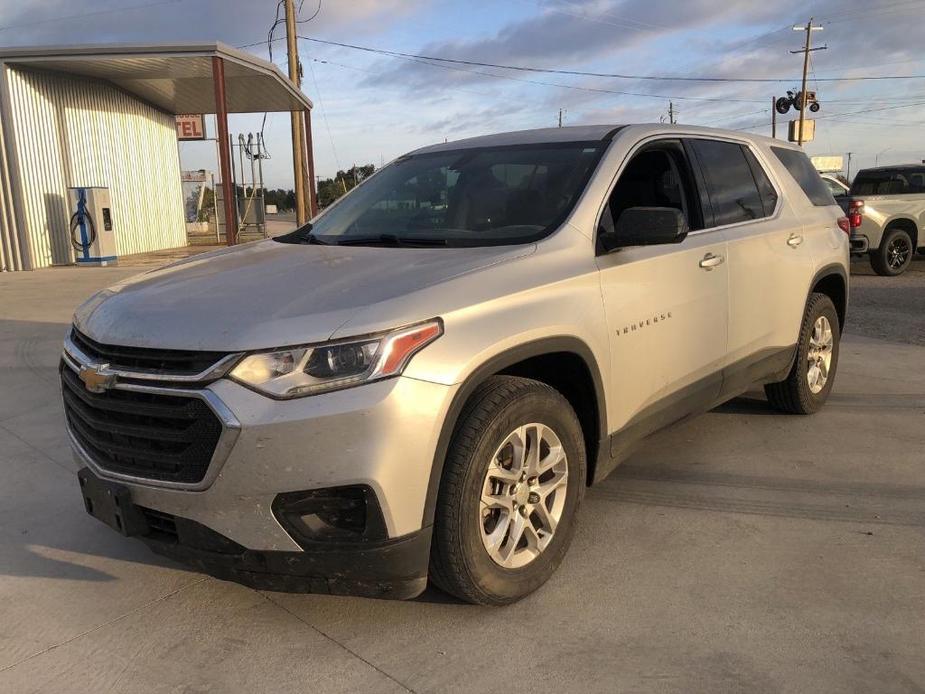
[
  {"x": 512, "y": 482},
  {"x": 809, "y": 383},
  {"x": 894, "y": 254}
]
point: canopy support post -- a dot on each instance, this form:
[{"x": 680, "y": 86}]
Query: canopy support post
[
  {"x": 224, "y": 152},
  {"x": 310, "y": 168}
]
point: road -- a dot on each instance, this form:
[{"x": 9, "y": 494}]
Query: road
[{"x": 743, "y": 551}]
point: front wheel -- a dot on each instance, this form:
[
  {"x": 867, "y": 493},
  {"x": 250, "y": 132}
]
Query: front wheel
[
  {"x": 894, "y": 254},
  {"x": 810, "y": 380},
  {"x": 512, "y": 482}
]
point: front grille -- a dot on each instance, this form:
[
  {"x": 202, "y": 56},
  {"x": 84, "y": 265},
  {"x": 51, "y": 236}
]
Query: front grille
[
  {"x": 162, "y": 526},
  {"x": 173, "y": 361},
  {"x": 168, "y": 438}
]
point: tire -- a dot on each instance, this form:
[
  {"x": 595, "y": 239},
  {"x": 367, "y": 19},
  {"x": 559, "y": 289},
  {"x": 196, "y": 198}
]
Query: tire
[
  {"x": 782, "y": 105},
  {"x": 795, "y": 394},
  {"x": 894, "y": 254},
  {"x": 814, "y": 107},
  {"x": 461, "y": 563}
]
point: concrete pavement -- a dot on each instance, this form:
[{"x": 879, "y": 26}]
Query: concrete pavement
[{"x": 743, "y": 551}]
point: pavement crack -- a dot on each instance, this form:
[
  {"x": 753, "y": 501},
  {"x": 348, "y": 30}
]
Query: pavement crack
[
  {"x": 35, "y": 448},
  {"x": 336, "y": 642},
  {"x": 115, "y": 620}
]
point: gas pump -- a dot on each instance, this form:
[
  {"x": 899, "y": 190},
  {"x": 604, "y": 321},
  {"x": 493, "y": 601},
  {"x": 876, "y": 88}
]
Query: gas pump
[{"x": 92, "y": 233}]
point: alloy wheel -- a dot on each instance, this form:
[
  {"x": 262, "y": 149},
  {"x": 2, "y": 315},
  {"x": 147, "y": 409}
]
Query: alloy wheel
[
  {"x": 523, "y": 495},
  {"x": 898, "y": 252},
  {"x": 819, "y": 356}
]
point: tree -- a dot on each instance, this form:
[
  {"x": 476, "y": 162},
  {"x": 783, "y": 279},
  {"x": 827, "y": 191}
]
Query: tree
[{"x": 330, "y": 189}]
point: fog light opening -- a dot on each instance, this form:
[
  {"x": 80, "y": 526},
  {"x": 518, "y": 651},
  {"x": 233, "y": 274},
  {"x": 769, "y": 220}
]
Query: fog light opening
[{"x": 334, "y": 515}]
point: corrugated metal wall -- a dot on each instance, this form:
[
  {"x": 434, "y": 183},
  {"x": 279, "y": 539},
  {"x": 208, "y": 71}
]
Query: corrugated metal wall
[
  {"x": 72, "y": 131},
  {"x": 9, "y": 245}
]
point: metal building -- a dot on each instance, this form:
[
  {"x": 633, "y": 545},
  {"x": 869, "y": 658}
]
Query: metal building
[{"x": 103, "y": 116}]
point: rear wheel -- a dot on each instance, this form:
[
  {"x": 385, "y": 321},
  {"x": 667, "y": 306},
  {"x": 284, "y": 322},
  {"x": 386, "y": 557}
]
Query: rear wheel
[
  {"x": 512, "y": 482},
  {"x": 894, "y": 254},
  {"x": 810, "y": 380}
]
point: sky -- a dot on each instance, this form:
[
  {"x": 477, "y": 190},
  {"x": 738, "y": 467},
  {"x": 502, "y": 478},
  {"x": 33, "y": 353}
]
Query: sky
[{"x": 370, "y": 108}]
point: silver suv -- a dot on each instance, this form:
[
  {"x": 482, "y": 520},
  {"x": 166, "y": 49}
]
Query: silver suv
[{"x": 422, "y": 382}]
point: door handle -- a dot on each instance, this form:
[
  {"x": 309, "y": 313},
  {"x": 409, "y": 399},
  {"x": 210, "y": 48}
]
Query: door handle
[
  {"x": 794, "y": 240},
  {"x": 710, "y": 261}
]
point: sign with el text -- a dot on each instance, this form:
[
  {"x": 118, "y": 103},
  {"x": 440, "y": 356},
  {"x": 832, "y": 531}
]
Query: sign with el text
[{"x": 191, "y": 126}]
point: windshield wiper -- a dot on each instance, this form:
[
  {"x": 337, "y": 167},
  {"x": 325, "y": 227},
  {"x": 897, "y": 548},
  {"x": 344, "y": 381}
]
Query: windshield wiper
[
  {"x": 390, "y": 240},
  {"x": 302, "y": 235}
]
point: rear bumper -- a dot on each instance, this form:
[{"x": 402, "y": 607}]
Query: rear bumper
[
  {"x": 858, "y": 243},
  {"x": 393, "y": 569}
]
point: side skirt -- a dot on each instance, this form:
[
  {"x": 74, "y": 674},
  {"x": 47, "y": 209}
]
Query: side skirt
[{"x": 767, "y": 366}]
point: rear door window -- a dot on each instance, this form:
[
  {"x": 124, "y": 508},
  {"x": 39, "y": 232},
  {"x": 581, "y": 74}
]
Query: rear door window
[
  {"x": 801, "y": 168},
  {"x": 733, "y": 192}
]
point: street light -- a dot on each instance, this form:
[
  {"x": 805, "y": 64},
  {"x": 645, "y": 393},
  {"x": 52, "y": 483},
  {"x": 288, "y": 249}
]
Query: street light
[{"x": 877, "y": 158}]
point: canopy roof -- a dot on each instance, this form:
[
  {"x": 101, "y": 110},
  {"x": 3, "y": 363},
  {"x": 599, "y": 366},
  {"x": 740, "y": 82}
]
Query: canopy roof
[{"x": 176, "y": 78}]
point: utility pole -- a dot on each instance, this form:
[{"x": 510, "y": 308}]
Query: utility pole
[
  {"x": 774, "y": 116},
  {"x": 298, "y": 173},
  {"x": 848, "y": 170},
  {"x": 809, "y": 29},
  {"x": 671, "y": 113},
  {"x": 560, "y": 117}
]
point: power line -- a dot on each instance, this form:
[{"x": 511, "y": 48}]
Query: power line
[
  {"x": 599, "y": 90},
  {"x": 867, "y": 12},
  {"x": 559, "y": 85},
  {"x": 619, "y": 22},
  {"x": 838, "y": 116},
  {"x": 97, "y": 13},
  {"x": 324, "y": 115},
  {"x": 585, "y": 73}
]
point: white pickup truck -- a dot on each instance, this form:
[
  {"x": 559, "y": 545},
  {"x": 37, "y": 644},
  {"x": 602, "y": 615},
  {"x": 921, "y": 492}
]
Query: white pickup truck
[{"x": 886, "y": 212}]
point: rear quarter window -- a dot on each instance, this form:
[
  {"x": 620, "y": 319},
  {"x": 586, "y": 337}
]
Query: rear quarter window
[{"x": 802, "y": 171}]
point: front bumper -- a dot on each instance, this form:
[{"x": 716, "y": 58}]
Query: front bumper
[
  {"x": 394, "y": 569},
  {"x": 382, "y": 435}
]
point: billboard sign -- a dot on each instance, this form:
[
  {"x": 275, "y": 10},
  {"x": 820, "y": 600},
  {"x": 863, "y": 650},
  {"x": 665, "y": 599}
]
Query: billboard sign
[
  {"x": 809, "y": 130},
  {"x": 191, "y": 126},
  {"x": 828, "y": 164}
]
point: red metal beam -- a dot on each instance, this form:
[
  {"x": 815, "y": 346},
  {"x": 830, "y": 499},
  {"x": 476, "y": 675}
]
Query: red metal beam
[
  {"x": 310, "y": 169},
  {"x": 224, "y": 152}
]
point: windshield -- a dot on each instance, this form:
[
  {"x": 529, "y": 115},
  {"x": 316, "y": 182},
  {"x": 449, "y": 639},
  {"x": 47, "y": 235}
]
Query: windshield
[{"x": 466, "y": 197}]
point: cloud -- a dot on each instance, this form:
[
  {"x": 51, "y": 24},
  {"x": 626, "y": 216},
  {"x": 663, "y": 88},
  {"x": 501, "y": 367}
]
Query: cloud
[
  {"x": 569, "y": 33},
  {"x": 148, "y": 21}
]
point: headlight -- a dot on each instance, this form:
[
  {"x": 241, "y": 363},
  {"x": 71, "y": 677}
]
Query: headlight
[{"x": 298, "y": 371}]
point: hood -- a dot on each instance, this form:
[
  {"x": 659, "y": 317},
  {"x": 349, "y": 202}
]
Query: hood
[{"x": 269, "y": 294}]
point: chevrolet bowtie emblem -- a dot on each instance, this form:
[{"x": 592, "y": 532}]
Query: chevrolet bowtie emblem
[{"x": 97, "y": 378}]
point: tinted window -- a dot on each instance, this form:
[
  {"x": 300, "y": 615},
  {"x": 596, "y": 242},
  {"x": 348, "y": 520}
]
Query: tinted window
[
  {"x": 888, "y": 182},
  {"x": 469, "y": 197},
  {"x": 658, "y": 176},
  {"x": 765, "y": 189},
  {"x": 733, "y": 192},
  {"x": 800, "y": 167},
  {"x": 834, "y": 188}
]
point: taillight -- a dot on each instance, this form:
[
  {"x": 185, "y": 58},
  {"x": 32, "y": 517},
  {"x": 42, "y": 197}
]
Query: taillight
[
  {"x": 855, "y": 209},
  {"x": 844, "y": 225}
]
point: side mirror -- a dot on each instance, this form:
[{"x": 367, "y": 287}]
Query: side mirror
[{"x": 646, "y": 226}]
